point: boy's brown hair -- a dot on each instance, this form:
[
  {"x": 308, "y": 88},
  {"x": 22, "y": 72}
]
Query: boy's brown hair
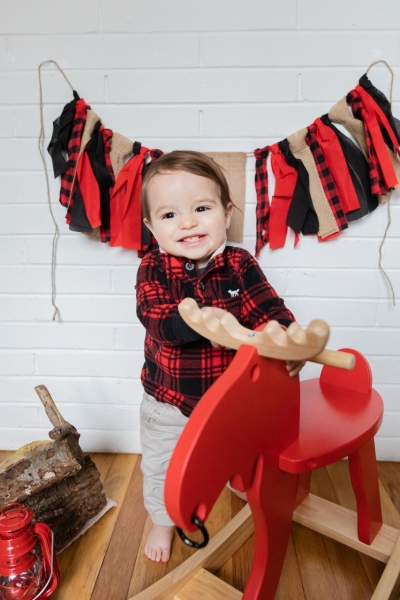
[{"x": 190, "y": 161}]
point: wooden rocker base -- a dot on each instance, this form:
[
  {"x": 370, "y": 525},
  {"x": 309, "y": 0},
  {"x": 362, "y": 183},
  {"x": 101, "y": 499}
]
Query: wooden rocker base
[
  {"x": 190, "y": 581},
  {"x": 216, "y": 588}
]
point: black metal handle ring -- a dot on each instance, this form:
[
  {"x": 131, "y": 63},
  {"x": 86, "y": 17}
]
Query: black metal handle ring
[{"x": 203, "y": 530}]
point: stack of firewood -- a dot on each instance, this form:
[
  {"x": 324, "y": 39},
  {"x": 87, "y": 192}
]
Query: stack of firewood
[{"x": 55, "y": 479}]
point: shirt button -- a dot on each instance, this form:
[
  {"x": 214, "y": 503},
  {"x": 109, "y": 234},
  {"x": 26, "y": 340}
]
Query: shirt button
[
  {"x": 202, "y": 286},
  {"x": 189, "y": 266}
]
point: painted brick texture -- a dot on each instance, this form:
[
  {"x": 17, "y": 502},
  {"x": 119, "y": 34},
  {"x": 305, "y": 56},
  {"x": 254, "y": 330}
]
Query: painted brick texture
[{"x": 226, "y": 75}]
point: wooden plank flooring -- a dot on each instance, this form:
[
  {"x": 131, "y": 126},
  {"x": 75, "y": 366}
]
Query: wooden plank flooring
[{"x": 108, "y": 561}]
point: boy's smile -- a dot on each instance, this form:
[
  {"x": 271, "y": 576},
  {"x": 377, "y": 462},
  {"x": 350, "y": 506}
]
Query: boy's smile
[{"x": 186, "y": 215}]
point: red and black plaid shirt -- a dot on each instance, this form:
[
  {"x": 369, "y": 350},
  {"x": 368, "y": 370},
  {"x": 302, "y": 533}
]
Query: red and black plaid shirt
[
  {"x": 180, "y": 365},
  {"x": 326, "y": 178}
]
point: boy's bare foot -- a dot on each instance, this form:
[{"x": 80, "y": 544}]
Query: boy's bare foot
[{"x": 158, "y": 543}]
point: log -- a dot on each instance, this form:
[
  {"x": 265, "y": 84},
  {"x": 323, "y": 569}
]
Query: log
[
  {"x": 36, "y": 467},
  {"x": 56, "y": 480},
  {"x": 67, "y": 506}
]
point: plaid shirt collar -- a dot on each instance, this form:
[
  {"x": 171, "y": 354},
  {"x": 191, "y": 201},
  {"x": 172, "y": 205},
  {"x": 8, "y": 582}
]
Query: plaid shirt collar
[{"x": 218, "y": 255}]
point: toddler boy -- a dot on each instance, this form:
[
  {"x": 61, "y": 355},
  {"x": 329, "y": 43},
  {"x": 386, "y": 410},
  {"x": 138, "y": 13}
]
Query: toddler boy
[{"x": 187, "y": 207}]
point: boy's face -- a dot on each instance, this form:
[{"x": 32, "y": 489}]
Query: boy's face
[{"x": 186, "y": 215}]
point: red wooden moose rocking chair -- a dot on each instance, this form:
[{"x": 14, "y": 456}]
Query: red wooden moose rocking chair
[{"x": 265, "y": 432}]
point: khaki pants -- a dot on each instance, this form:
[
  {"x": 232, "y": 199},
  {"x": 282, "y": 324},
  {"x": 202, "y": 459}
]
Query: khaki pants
[{"x": 161, "y": 425}]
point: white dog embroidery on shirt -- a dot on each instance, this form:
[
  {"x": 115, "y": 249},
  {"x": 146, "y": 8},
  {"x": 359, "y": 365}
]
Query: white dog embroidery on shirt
[{"x": 234, "y": 293}]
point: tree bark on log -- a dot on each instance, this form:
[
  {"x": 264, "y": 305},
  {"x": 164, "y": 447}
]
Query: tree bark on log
[
  {"x": 67, "y": 506},
  {"x": 35, "y": 469},
  {"x": 56, "y": 480}
]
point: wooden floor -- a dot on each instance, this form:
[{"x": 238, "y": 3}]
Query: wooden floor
[{"x": 107, "y": 563}]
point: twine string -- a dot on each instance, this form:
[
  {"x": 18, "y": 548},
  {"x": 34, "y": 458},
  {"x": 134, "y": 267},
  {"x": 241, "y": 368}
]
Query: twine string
[
  {"x": 389, "y": 218},
  {"x": 376, "y": 62},
  {"x": 380, "y": 252},
  {"x": 41, "y": 150}
]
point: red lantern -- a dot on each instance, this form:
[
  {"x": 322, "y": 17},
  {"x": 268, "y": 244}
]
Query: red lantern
[{"x": 23, "y": 574}]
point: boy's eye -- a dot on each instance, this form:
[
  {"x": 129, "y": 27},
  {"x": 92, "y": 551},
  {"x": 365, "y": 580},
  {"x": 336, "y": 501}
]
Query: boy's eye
[
  {"x": 202, "y": 208},
  {"x": 169, "y": 215}
]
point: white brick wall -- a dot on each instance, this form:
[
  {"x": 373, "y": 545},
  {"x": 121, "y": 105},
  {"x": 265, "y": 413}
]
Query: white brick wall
[{"x": 228, "y": 75}]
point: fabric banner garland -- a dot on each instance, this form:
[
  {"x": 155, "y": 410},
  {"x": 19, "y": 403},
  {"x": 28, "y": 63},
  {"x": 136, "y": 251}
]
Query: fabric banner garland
[{"x": 323, "y": 178}]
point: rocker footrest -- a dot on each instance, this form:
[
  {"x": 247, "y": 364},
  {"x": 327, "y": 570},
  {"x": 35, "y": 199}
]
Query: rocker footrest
[
  {"x": 206, "y": 585},
  {"x": 340, "y": 524}
]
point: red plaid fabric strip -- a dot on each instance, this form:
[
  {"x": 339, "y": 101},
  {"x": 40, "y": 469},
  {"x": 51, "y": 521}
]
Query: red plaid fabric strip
[
  {"x": 180, "y": 365},
  {"x": 105, "y": 234},
  {"x": 378, "y": 186},
  {"x": 263, "y": 205},
  {"x": 68, "y": 178},
  {"x": 326, "y": 178},
  {"x": 150, "y": 243},
  {"x": 107, "y": 137}
]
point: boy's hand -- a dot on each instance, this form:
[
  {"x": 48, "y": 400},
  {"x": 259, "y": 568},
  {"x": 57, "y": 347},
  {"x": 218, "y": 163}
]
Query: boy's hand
[{"x": 294, "y": 366}]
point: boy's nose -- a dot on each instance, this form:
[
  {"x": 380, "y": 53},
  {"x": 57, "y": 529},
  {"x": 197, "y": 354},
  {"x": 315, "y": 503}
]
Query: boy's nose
[{"x": 188, "y": 221}]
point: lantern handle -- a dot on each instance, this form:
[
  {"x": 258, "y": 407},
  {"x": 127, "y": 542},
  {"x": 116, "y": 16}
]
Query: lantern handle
[
  {"x": 46, "y": 585},
  {"x": 46, "y": 535},
  {"x": 10, "y": 506}
]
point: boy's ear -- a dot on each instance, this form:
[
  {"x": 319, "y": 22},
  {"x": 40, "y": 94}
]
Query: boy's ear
[
  {"x": 148, "y": 225},
  {"x": 228, "y": 215}
]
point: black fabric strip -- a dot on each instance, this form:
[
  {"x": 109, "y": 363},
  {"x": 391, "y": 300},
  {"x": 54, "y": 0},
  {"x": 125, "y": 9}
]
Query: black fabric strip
[
  {"x": 359, "y": 173},
  {"x": 302, "y": 217},
  {"x": 79, "y": 220},
  {"x": 95, "y": 151},
  {"x": 62, "y": 129},
  {"x": 136, "y": 148},
  {"x": 384, "y": 104}
]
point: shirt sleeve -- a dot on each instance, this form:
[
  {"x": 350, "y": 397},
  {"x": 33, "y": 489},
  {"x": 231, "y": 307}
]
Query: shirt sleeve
[
  {"x": 261, "y": 303},
  {"x": 156, "y": 308}
]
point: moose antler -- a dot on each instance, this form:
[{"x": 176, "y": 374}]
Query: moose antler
[{"x": 293, "y": 344}]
